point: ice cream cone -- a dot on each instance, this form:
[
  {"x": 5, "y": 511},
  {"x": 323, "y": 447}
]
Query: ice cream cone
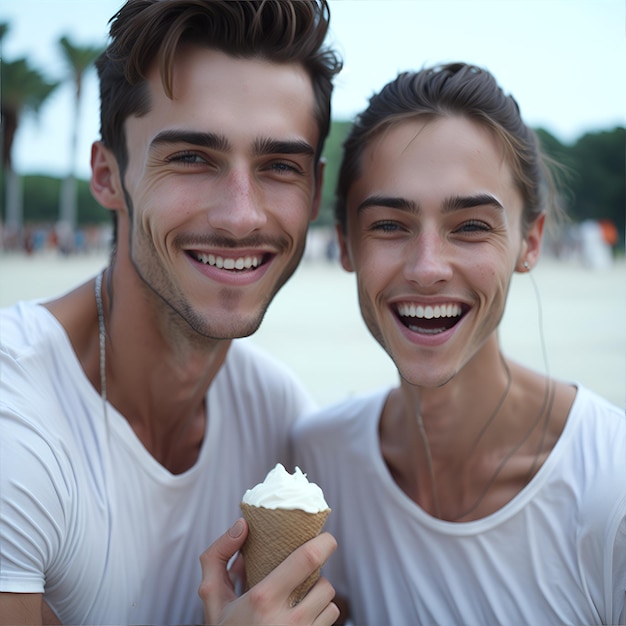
[{"x": 273, "y": 535}]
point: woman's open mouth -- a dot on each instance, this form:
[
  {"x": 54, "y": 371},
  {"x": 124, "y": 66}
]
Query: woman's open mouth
[{"x": 429, "y": 319}]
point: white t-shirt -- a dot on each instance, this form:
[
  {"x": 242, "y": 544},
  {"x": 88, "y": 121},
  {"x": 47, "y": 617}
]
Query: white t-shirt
[
  {"x": 555, "y": 554},
  {"x": 87, "y": 516}
]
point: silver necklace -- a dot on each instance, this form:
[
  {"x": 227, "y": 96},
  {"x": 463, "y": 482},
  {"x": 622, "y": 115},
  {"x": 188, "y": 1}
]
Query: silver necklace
[
  {"x": 548, "y": 401},
  {"x": 102, "y": 338},
  {"x": 486, "y": 425}
]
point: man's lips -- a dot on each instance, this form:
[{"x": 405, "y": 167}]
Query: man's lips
[
  {"x": 430, "y": 319},
  {"x": 230, "y": 262}
]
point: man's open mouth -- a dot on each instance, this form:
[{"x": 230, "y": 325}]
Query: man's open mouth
[
  {"x": 240, "y": 264},
  {"x": 429, "y": 319}
]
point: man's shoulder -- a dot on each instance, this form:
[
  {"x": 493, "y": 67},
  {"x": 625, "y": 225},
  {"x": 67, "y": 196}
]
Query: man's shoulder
[
  {"x": 25, "y": 327},
  {"x": 246, "y": 360},
  {"x": 267, "y": 383}
]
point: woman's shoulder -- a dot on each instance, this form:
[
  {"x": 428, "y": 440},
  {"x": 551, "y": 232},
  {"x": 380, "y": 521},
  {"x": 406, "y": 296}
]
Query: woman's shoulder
[
  {"x": 594, "y": 410},
  {"x": 350, "y": 412}
]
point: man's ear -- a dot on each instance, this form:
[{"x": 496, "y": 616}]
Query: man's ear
[
  {"x": 531, "y": 246},
  {"x": 317, "y": 194},
  {"x": 344, "y": 253},
  {"x": 105, "y": 183}
]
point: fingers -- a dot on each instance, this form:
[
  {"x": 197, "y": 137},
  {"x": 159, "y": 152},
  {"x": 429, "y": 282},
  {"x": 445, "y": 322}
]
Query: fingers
[
  {"x": 308, "y": 558},
  {"x": 317, "y": 607},
  {"x": 328, "y": 616},
  {"x": 216, "y": 588},
  {"x": 277, "y": 587},
  {"x": 268, "y": 601}
]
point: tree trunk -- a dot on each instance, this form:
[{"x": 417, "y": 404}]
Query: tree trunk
[{"x": 14, "y": 211}]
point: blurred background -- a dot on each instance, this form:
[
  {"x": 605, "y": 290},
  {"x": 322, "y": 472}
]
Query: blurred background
[{"x": 563, "y": 60}]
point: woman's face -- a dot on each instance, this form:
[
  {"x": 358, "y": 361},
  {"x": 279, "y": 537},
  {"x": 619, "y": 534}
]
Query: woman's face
[{"x": 434, "y": 235}]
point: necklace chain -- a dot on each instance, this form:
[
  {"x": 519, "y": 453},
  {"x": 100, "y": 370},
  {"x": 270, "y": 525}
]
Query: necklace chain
[
  {"x": 548, "y": 401},
  {"x": 102, "y": 338}
]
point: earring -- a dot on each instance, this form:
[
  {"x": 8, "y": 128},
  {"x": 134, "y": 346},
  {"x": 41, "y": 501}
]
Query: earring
[{"x": 526, "y": 266}]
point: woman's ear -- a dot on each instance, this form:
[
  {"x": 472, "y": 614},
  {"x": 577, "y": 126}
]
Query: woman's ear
[
  {"x": 531, "y": 246},
  {"x": 344, "y": 253},
  {"x": 105, "y": 183}
]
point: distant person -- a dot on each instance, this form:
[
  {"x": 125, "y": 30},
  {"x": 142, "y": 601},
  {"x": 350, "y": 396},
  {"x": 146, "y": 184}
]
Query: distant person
[
  {"x": 477, "y": 491},
  {"x": 597, "y": 253},
  {"x": 130, "y": 421}
]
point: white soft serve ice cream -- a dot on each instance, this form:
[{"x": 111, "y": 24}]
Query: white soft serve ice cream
[{"x": 282, "y": 490}]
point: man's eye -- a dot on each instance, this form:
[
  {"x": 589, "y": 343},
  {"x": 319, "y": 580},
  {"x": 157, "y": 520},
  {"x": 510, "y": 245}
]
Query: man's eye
[
  {"x": 189, "y": 158},
  {"x": 386, "y": 226},
  {"x": 472, "y": 226},
  {"x": 283, "y": 167}
]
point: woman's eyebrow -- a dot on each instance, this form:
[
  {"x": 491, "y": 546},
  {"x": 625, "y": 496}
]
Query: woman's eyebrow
[
  {"x": 391, "y": 202},
  {"x": 450, "y": 204},
  {"x": 457, "y": 203}
]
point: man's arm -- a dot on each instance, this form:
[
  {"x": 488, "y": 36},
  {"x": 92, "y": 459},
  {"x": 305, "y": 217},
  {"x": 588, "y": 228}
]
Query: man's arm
[
  {"x": 25, "y": 608},
  {"x": 268, "y": 601}
]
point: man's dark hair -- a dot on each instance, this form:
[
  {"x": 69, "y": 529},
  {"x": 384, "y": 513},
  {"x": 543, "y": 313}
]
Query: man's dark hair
[{"x": 145, "y": 32}]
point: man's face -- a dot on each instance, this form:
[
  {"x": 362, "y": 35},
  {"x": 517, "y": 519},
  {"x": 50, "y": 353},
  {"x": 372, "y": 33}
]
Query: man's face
[
  {"x": 221, "y": 181},
  {"x": 434, "y": 236}
]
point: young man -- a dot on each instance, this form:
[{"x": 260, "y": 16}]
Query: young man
[
  {"x": 477, "y": 491},
  {"x": 131, "y": 422}
]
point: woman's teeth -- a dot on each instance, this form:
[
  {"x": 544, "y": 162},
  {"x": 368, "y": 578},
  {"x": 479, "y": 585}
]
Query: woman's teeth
[
  {"x": 429, "y": 319},
  {"x": 429, "y": 312}
]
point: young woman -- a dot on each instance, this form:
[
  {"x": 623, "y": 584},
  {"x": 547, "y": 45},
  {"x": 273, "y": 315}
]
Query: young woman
[{"x": 477, "y": 491}]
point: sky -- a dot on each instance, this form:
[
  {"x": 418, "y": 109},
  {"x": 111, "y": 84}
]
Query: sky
[{"x": 563, "y": 60}]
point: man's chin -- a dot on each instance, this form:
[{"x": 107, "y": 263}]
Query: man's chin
[{"x": 234, "y": 330}]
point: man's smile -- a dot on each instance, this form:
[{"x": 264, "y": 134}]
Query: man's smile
[{"x": 240, "y": 263}]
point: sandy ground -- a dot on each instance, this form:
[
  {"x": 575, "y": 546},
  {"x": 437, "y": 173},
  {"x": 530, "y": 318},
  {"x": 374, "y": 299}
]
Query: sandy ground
[{"x": 314, "y": 324}]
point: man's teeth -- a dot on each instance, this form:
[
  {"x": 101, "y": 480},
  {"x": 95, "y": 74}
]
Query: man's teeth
[
  {"x": 240, "y": 263},
  {"x": 429, "y": 312}
]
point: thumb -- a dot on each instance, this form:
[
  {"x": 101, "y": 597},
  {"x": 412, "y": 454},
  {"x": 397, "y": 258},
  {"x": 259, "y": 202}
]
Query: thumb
[
  {"x": 216, "y": 557},
  {"x": 216, "y": 589}
]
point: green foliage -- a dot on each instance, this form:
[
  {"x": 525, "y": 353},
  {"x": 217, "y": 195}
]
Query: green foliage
[
  {"x": 332, "y": 153},
  {"x": 41, "y": 201},
  {"x": 595, "y": 185},
  {"x": 78, "y": 58}
]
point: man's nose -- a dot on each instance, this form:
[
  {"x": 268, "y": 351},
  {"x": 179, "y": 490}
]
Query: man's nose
[{"x": 237, "y": 207}]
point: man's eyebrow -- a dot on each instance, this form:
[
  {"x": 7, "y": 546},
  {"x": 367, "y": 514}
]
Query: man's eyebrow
[
  {"x": 204, "y": 140},
  {"x": 267, "y": 145}
]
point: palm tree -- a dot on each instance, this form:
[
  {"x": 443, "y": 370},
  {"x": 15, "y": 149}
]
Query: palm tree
[
  {"x": 24, "y": 89},
  {"x": 79, "y": 60}
]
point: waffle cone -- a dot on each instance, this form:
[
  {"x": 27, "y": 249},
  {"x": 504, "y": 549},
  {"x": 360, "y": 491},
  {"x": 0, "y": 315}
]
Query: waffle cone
[{"x": 273, "y": 535}]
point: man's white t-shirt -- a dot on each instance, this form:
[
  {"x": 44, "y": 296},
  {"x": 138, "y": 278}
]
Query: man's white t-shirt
[
  {"x": 555, "y": 554},
  {"x": 87, "y": 516}
]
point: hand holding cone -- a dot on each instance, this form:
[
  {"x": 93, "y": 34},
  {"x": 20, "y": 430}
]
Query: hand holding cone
[{"x": 278, "y": 524}]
